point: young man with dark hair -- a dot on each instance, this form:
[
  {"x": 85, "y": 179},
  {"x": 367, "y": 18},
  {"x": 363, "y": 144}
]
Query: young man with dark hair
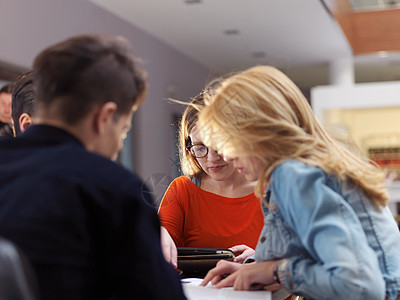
[
  {"x": 79, "y": 217},
  {"x": 23, "y": 98},
  {"x": 5, "y": 111}
]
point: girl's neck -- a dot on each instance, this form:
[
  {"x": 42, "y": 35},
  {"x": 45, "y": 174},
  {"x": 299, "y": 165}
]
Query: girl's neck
[{"x": 234, "y": 187}]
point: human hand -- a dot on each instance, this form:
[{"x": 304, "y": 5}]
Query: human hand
[
  {"x": 221, "y": 270},
  {"x": 258, "y": 275},
  {"x": 253, "y": 276},
  {"x": 169, "y": 248},
  {"x": 242, "y": 252}
]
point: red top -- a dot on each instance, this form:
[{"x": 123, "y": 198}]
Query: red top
[{"x": 197, "y": 218}]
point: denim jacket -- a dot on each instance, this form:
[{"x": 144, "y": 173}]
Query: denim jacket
[{"x": 335, "y": 243}]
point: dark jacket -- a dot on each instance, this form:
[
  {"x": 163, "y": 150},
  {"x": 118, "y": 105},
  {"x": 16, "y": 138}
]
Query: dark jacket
[
  {"x": 6, "y": 130},
  {"x": 81, "y": 220}
]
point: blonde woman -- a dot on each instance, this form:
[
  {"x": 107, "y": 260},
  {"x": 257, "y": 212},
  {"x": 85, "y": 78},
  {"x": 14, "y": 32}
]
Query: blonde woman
[
  {"x": 212, "y": 206},
  {"x": 328, "y": 233}
]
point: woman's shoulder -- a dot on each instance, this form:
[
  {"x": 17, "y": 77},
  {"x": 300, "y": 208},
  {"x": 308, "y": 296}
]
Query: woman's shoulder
[
  {"x": 179, "y": 189},
  {"x": 292, "y": 167},
  {"x": 183, "y": 181},
  {"x": 294, "y": 174}
]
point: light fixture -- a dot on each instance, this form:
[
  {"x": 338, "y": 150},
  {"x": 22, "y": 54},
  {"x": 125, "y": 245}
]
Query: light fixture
[
  {"x": 231, "y": 32},
  {"x": 192, "y": 1}
]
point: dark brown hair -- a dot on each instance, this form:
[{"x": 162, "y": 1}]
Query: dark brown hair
[
  {"x": 23, "y": 98},
  {"x": 8, "y": 88},
  {"x": 81, "y": 72}
]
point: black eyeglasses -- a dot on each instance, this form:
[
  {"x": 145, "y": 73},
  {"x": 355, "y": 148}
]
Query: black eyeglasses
[{"x": 198, "y": 150}]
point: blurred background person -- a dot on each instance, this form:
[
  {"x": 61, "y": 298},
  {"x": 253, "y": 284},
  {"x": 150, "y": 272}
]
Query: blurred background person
[
  {"x": 23, "y": 98},
  {"x": 5, "y": 111}
]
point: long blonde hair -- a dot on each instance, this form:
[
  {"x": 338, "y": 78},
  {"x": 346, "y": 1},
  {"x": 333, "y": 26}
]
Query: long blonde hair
[{"x": 260, "y": 112}]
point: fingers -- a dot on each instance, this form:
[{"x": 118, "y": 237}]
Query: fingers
[
  {"x": 242, "y": 277},
  {"x": 254, "y": 275},
  {"x": 242, "y": 282},
  {"x": 241, "y": 258},
  {"x": 273, "y": 287},
  {"x": 238, "y": 248},
  {"x": 242, "y": 252},
  {"x": 245, "y": 254},
  {"x": 218, "y": 273},
  {"x": 227, "y": 281},
  {"x": 214, "y": 274}
]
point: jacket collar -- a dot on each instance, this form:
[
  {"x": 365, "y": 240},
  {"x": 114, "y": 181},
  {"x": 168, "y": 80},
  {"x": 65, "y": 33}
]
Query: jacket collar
[{"x": 50, "y": 134}]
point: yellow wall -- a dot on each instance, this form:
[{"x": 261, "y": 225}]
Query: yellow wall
[{"x": 372, "y": 127}]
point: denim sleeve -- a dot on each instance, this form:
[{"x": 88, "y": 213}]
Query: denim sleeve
[{"x": 340, "y": 264}]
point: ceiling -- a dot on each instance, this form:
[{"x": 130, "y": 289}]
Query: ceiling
[{"x": 298, "y": 36}]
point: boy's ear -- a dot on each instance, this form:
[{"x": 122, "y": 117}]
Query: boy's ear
[
  {"x": 104, "y": 116},
  {"x": 25, "y": 120}
]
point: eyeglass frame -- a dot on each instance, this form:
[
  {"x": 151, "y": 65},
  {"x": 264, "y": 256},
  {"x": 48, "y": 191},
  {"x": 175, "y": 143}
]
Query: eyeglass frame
[{"x": 191, "y": 153}]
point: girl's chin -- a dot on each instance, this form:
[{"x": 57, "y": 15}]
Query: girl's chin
[{"x": 250, "y": 177}]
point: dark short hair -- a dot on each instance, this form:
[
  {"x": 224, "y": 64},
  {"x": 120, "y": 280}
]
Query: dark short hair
[
  {"x": 23, "y": 98},
  {"x": 8, "y": 88},
  {"x": 81, "y": 72}
]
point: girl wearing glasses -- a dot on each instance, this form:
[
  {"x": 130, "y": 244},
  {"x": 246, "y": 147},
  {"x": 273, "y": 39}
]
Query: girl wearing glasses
[
  {"x": 328, "y": 232},
  {"x": 212, "y": 206}
]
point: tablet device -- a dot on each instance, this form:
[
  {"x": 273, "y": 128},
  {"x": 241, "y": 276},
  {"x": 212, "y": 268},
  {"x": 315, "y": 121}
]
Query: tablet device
[{"x": 196, "y": 262}]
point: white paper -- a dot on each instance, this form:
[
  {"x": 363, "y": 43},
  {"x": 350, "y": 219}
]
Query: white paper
[{"x": 193, "y": 291}]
